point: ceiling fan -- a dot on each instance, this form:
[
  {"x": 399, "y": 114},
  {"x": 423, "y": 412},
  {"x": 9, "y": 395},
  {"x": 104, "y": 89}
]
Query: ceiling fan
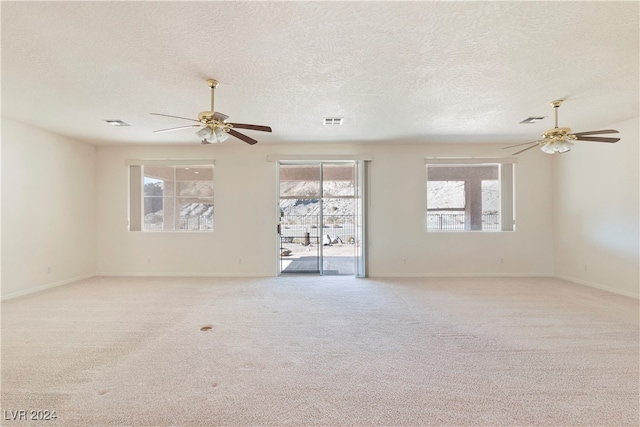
[
  {"x": 560, "y": 140},
  {"x": 215, "y": 127}
]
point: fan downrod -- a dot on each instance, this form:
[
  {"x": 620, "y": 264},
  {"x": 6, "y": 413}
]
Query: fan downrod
[{"x": 556, "y": 104}]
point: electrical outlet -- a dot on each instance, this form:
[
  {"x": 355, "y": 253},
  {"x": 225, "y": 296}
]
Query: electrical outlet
[
  {"x": 48, "y": 269},
  {"x": 404, "y": 260}
]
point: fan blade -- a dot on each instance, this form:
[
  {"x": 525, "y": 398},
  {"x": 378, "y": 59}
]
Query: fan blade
[
  {"x": 251, "y": 127},
  {"x": 220, "y": 117},
  {"x": 596, "y": 132},
  {"x": 245, "y": 138},
  {"x": 597, "y": 139},
  {"x": 175, "y": 117},
  {"x": 528, "y": 148},
  {"x": 517, "y": 145},
  {"x": 178, "y": 128}
]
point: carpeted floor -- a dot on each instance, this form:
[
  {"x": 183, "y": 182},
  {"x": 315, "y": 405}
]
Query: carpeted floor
[{"x": 308, "y": 350}]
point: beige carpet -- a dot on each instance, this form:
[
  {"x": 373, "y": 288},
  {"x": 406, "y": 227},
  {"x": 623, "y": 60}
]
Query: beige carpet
[{"x": 321, "y": 351}]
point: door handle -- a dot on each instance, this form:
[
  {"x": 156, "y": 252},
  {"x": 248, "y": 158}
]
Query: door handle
[{"x": 278, "y": 229}]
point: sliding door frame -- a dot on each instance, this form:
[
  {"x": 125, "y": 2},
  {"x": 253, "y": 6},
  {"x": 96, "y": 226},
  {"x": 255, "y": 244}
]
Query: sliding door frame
[{"x": 360, "y": 215}]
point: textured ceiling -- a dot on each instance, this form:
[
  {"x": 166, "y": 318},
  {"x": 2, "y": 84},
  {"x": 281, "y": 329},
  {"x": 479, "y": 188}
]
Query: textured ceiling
[{"x": 396, "y": 71}]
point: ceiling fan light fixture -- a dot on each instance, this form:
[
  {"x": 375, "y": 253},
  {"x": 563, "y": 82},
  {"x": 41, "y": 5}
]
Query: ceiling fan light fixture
[
  {"x": 556, "y": 145},
  {"x": 204, "y": 133},
  {"x": 557, "y": 140},
  {"x": 561, "y": 140},
  {"x": 566, "y": 147},
  {"x": 220, "y": 135},
  {"x": 548, "y": 148},
  {"x": 216, "y": 128},
  {"x": 212, "y": 136}
]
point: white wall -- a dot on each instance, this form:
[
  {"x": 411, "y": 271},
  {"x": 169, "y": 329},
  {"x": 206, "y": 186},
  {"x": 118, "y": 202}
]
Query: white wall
[
  {"x": 79, "y": 224},
  {"x": 398, "y": 177},
  {"x": 596, "y": 230},
  {"x": 48, "y": 209},
  {"x": 246, "y": 215}
]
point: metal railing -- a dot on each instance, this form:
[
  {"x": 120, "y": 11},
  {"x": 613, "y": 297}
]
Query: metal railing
[
  {"x": 456, "y": 221},
  {"x": 340, "y": 228},
  {"x": 491, "y": 221},
  {"x": 187, "y": 223}
]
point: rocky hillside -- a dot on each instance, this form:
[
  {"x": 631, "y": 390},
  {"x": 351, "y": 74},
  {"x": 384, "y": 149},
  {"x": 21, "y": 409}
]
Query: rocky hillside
[
  {"x": 153, "y": 202},
  {"x": 440, "y": 194}
]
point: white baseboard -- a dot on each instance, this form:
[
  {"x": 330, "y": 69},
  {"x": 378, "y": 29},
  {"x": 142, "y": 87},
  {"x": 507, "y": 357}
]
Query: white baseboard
[
  {"x": 418, "y": 275},
  {"x": 43, "y": 287},
  {"x": 181, "y": 274},
  {"x": 598, "y": 286}
]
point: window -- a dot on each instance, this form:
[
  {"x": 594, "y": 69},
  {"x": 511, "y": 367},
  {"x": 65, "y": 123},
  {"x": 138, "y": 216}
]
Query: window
[
  {"x": 171, "y": 197},
  {"x": 469, "y": 195}
]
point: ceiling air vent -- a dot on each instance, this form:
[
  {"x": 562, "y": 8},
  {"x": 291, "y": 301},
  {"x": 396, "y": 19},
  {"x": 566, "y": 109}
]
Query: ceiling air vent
[
  {"x": 333, "y": 121},
  {"x": 114, "y": 122},
  {"x": 532, "y": 119}
]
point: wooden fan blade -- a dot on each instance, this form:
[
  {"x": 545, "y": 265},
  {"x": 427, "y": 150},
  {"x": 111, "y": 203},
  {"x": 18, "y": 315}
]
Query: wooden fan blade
[
  {"x": 177, "y": 128},
  {"x": 597, "y": 139},
  {"x": 251, "y": 127},
  {"x": 245, "y": 138},
  {"x": 175, "y": 117},
  {"x": 596, "y": 132},
  {"x": 528, "y": 148},
  {"x": 517, "y": 145}
]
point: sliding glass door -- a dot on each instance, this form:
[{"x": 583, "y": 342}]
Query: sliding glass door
[
  {"x": 321, "y": 218},
  {"x": 300, "y": 207}
]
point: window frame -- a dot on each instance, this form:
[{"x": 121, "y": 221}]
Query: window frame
[
  {"x": 506, "y": 182},
  {"x": 137, "y": 198}
]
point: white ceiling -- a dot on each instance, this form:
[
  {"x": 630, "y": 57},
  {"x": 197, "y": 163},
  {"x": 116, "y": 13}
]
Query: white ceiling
[{"x": 396, "y": 71}]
